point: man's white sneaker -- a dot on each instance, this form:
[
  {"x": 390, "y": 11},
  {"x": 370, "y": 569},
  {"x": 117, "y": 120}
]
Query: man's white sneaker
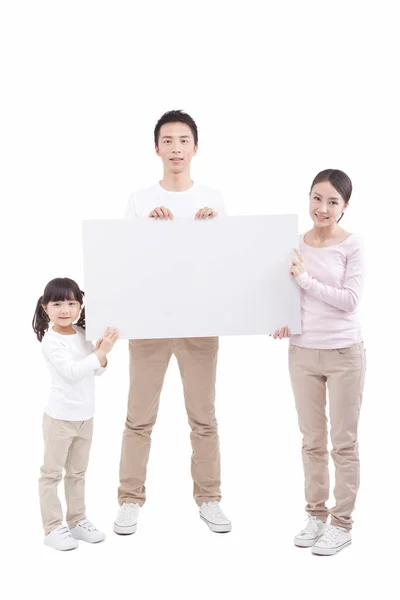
[
  {"x": 311, "y": 533},
  {"x": 212, "y": 515},
  {"x": 126, "y": 521},
  {"x": 86, "y": 531},
  {"x": 333, "y": 540},
  {"x": 61, "y": 539}
]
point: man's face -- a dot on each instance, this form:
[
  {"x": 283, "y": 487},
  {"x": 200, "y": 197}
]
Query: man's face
[{"x": 176, "y": 147}]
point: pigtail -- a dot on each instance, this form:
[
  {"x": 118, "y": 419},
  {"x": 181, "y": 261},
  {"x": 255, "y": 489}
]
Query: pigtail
[
  {"x": 81, "y": 321},
  {"x": 40, "y": 321},
  {"x": 82, "y": 318}
]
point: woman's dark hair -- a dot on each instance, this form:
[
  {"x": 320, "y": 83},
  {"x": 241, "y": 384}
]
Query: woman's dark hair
[
  {"x": 176, "y": 116},
  {"x": 339, "y": 180},
  {"x": 57, "y": 290}
]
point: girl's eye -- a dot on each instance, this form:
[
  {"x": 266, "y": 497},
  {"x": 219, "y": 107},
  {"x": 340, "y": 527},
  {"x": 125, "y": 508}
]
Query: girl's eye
[
  {"x": 333, "y": 202},
  {"x": 316, "y": 198}
]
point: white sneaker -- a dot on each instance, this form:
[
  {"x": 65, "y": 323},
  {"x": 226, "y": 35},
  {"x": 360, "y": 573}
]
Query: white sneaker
[
  {"x": 311, "y": 533},
  {"x": 61, "y": 539},
  {"x": 86, "y": 531},
  {"x": 333, "y": 540},
  {"x": 126, "y": 521},
  {"x": 212, "y": 515}
]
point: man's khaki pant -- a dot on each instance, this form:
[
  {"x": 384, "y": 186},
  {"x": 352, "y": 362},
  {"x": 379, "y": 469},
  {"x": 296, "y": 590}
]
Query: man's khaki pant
[
  {"x": 342, "y": 373},
  {"x": 66, "y": 446},
  {"x": 197, "y": 360}
]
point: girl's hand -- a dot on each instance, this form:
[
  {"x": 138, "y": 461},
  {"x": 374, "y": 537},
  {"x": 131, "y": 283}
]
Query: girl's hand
[
  {"x": 108, "y": 341},
  {"x": 298, "y": 265},
  {"x": 284, "y": 332},
  {"x": 205, "y": 213},
  {"x": 98, "y": 343}
]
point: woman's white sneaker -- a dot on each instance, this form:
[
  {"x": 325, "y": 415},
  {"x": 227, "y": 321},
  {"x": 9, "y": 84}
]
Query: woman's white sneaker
[
  {"x": 212, "y": 515},
  {"x": 126, "y": 521},
  {"x": 61, "y": 539},
  {"x": 308, "y": 536},
  {"x": 333, "y": 540},
  {"x": 86, "y": 531}
]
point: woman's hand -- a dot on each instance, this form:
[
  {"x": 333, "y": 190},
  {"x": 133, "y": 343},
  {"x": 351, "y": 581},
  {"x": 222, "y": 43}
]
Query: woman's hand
[
  {"x": 283, "y": 332},
  {"x": 298, "y": 265}
]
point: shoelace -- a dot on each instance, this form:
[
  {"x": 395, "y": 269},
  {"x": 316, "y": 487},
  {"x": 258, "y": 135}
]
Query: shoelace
[
  {"x": 214, "y": 511},
  {"x": 127, "y": 511},
  {"x": 311, "y": 524},
  {"x": 330, "y": 535}
]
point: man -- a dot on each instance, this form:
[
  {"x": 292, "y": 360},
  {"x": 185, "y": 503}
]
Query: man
[{"x": 176, "y": 195}]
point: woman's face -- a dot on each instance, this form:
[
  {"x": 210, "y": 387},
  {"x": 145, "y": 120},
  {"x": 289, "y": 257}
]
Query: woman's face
[{"x": 326, "y": 204}]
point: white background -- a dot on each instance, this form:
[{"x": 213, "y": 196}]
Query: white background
[{"x": 279, "y": 92}]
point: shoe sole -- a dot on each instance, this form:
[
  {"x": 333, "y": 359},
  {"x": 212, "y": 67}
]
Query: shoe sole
[
  {"x": 217, "y": 528},
  {"x": 81, "y": 539},
  {"x": 62, "y": 549},
  {"x": 329, "y": 551},
  {"x": 125, "y": 529},
  {"x": 305, "y": 543},
  {"x": 299, "y": 543}
]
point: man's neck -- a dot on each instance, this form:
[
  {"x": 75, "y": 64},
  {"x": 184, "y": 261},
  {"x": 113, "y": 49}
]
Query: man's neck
[{"x": 176, "y": 183}]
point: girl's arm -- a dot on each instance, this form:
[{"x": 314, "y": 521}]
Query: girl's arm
[
  {"x": 345, "y": 298},
  {"x": 103, "y": 364},
  {"x": 61, "y": 358}
]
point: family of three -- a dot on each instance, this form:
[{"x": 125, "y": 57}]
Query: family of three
[{"x": 328, "y": 356}]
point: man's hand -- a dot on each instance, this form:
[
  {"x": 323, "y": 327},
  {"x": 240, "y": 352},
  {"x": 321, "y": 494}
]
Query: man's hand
[
  {"x": 205, "y": 213},
  {"x": 161, "y": 212}
]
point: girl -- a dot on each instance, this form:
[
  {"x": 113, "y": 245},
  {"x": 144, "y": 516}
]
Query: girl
[
  {"x": 68, "y": 417},
  {"x": 328, "y": 355}
]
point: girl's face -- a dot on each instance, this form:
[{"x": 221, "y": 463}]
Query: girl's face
[
  {"x": 64, "y": 312},
  {"x": 326, "y": 204}
]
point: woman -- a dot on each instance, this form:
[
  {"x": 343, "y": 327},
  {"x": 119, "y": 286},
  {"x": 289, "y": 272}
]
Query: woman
[{"x": 328, "y": 355}]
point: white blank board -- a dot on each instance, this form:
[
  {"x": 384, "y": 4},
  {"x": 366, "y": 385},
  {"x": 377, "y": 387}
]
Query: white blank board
[{"x": 186, "y": 278}]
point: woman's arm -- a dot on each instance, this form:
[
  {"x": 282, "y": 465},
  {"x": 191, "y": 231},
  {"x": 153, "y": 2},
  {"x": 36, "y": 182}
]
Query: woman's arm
[{"x": 345, "y": 298}]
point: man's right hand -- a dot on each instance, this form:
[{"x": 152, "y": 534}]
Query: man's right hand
[{"x": 161, "y": 213}]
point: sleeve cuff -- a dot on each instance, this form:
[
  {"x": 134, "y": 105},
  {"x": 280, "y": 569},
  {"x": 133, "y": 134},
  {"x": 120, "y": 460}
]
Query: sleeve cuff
[
  {"x": 94, "y": 361},
  {"x": 302, "y": 278}
]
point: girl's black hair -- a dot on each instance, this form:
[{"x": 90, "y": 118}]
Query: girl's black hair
[{"x": 57, "y": 290}]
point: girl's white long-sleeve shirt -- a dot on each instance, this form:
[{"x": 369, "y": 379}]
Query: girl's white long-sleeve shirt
[{"x": 73, "y": 366}]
